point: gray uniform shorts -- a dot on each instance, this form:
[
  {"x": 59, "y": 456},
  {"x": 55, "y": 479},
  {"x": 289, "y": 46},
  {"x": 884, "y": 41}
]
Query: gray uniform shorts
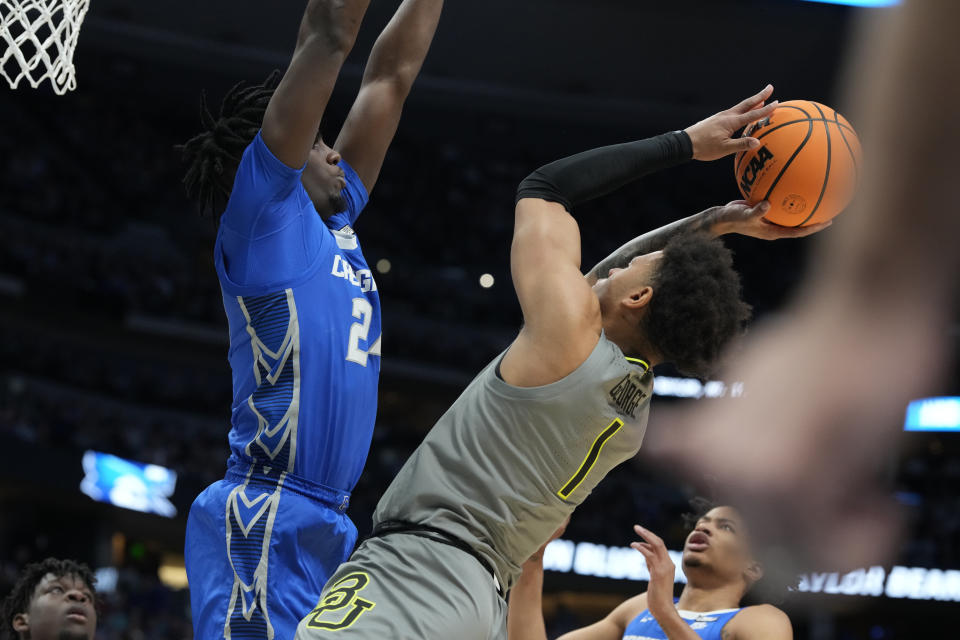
[{"x": 403, "y": 586}]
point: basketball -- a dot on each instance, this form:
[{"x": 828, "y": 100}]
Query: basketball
[{"x": 807, "y": 164}]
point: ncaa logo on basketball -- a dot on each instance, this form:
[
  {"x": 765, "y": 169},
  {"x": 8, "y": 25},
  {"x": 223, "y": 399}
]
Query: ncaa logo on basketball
[
  {"x": 759, "y": 124},
  {"x": 755, "y": 169}
]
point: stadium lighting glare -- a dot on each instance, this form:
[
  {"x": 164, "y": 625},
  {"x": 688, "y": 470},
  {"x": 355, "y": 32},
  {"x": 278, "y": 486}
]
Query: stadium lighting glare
[
  {"x": 128, "y": 484},
  {"x": 933, "y": 414},
  {"x": 624, "y": 563}
]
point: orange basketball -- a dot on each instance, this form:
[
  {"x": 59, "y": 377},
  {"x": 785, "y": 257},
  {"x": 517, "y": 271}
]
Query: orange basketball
[{"x": 807, "y": 164}]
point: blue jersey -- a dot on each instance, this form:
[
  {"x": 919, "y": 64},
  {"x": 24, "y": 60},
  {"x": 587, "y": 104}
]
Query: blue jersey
[
  {"x": 304, "y": 317},
  {"x": 708, "y": 624}
]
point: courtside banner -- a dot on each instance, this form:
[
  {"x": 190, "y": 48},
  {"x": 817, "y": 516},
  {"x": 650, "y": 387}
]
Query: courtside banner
[{"x": 624, "y": 563}]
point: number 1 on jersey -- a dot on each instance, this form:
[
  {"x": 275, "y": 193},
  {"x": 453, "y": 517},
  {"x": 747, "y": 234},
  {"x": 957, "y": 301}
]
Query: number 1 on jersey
[{"x": 362, "y": 311}]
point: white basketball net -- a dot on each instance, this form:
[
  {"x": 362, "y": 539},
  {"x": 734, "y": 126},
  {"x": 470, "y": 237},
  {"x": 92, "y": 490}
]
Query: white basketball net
[{"x": 39, "y": 37}]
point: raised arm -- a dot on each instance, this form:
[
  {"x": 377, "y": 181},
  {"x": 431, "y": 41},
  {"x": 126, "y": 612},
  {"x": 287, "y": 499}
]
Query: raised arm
[
  {"x": 389, "y": 75},
  {"x": 734, "y": 217},
  {"x": 525, "y": 612},
  {"x": 660, "y": 588},
  {"x": 883, "y": 290},
  {"x": 710, "y": 139},
  {"x": 327, "y": 33},
  {"x": 557, "y": 302}
]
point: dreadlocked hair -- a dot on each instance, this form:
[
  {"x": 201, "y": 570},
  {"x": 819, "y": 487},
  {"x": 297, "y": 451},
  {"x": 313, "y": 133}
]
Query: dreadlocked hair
[
  {"x": 213, "y": 156},
  {"x": 18, "y": 601}
]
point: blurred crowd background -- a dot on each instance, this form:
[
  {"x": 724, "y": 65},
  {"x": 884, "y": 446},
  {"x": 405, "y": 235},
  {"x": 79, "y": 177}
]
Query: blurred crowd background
[{"x": 113, "y": 337}]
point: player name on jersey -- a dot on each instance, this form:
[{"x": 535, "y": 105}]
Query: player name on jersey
[
  {"x": 628, "y": 394},
  {"x": 362, "y": 278}
]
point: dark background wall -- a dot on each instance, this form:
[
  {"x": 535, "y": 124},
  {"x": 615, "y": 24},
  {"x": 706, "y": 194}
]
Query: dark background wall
[{"x": 113, "y": 336}]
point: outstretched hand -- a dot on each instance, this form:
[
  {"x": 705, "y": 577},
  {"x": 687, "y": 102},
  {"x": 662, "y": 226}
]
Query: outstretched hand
[
  {"x": 662, "y": 571},
  {"x": 712, "y": 137},
  {"x": 739, "y": 217}
]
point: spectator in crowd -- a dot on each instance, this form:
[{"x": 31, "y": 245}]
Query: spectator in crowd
[{"x": 52, "y": 600}]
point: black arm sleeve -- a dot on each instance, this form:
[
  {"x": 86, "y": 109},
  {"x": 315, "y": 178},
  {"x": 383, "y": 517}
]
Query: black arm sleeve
[{"x": 597, "y": 172}]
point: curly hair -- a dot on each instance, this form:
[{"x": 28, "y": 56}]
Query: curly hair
[
  {"x": 214, "y": 155},
  {"x": 696, "y": 307},
  {"x": 18, "y": 601},
  {"x": 699, "y": 507}
]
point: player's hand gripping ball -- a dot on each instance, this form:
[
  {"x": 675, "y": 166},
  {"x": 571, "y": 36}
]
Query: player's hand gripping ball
[{"x": 807, "y": 164}]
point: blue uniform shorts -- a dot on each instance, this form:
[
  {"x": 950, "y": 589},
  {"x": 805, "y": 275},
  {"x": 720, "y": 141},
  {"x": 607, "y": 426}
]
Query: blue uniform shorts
[{"x": 258, "y": 552}]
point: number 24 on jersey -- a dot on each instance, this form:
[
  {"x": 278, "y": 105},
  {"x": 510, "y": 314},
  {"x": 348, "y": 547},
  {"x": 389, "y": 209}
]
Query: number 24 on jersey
[{"x": 363, "y": 312}]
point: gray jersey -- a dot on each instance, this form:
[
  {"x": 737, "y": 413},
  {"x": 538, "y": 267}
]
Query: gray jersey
[{"x": 505, "y": 465}]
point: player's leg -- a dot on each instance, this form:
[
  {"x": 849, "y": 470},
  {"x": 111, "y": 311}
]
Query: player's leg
[
  {"x": 205, "y": 553},
  {"x": 404, "y": 586},
  {"x": 257, "y": 555},
  {"x": 315, "y": 540}
]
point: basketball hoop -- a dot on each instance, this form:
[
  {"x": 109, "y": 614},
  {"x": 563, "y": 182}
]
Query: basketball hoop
[{"x": 39, "y": 38}]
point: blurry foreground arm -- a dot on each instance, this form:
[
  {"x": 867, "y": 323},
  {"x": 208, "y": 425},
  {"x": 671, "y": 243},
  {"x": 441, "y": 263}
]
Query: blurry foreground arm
[
  {"x": 905, "y": 226},
  {"x": 867, "y": 334}
]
